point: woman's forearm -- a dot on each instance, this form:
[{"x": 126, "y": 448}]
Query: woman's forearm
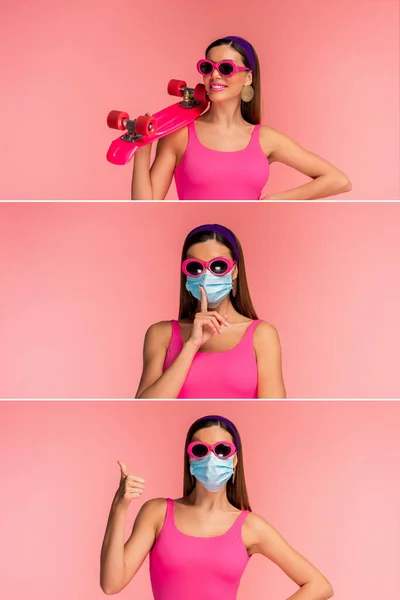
[
  {"x": 323, "y": 186},
  {"x": 112, "y": 560},
  {"x": 141, "y": 181},
  {"x": 314, "y": 591},
  {"x": 169, "y": 384}
]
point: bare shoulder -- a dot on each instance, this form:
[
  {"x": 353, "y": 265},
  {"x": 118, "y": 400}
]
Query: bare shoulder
[
  {"x": 255, "y": 522},
  {"x": 152, "y": 513},
  {"x": 174, "y": 141},
  {"x": 268, "y": 133},
  {"x": 256, "y": 528},
  {"x": 270, "y": 139},
  {"x": 266, "y": 341},
  {"x": 265, "y": 333},
  {"x": 159, "y": 331},
  {"x": 154, "y": 506}
]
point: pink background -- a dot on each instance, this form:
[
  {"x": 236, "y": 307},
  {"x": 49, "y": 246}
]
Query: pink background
[
  {"x": 325, "y": 474},
  {"x": 81, "y": 283},
  {"x": 330, "y": 73}
]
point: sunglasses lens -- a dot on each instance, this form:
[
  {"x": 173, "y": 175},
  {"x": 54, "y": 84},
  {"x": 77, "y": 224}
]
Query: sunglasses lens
[
  {"x": 206, "y": 68},
  {"x": 222, "y": 450},
  {"x": 226, "y": 68},
  {"x": 194, "y": 268},
  {"x": 219, "y": 267},
  {"x": 199, "y": 450}
]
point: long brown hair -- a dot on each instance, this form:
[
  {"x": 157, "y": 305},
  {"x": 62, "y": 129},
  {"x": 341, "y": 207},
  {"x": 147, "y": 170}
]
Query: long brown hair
[
  {"x": 251, "y": 111},
  {"x": 236, "y": 490},
  {"x": 241, "y": 301}
]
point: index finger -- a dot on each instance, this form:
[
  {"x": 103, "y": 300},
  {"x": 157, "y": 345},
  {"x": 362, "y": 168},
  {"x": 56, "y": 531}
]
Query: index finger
[{"x": 203, "y": 302}]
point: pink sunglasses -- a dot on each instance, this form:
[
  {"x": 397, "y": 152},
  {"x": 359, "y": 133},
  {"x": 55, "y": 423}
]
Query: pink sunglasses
[
  {"x": 198, "y": 450},
  {"x": 226, "y": 68},
  {"x": 217, "y": 266}
]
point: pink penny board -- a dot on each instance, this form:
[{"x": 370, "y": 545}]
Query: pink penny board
[{"x": 169, "y": 120}]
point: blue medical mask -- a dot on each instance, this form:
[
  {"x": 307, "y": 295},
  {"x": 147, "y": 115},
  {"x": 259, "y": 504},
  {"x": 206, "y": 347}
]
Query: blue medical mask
[
  {"x": 212, "y": 472},
  {"x": 217, "y": 287}
]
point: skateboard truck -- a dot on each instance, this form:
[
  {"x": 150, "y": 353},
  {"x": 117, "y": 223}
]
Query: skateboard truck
[
  {"x": 190, "y": 96},
  {"x": 131, "y": 135},
  {"x": 189, "y": 99},
  {"x": 136, "y": 133},
  {"x": 136, "y": 129}
]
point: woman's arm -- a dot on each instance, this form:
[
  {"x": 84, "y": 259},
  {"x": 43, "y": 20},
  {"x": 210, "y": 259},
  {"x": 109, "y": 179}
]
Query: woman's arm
[
  {"x": 153, "y": 182},
  {"x": 158, "y": 384},
  {"x": 154, "y": 382},
  {"x": 264, "y": 539},
  {"x": 120, "y": 562},
  {"x": 267, "y": 348},
  {"x": 327, "y": 180}
]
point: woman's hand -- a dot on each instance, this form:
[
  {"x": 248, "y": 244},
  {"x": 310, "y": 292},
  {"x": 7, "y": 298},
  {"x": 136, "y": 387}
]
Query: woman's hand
[
  {"x": 130, "y": 487},
  {"x": 206, "y": 323}
]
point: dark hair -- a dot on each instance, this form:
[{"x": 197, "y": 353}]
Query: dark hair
[
  {"x": 236, "y": 490},
  {"x": 241, "y": 302},
  {"x": 251, "y": 111}
]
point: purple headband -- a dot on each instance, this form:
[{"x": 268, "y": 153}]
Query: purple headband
[
  {"x": 224, "y": 231},
  {"x": 226, "y": 422},
  {"x": 248, "y": 49}
]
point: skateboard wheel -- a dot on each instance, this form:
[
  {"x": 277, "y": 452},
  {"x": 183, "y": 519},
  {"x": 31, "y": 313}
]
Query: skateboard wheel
[
  {"x": 200, "y": 93},
  {"x": 146, "y": 126},
  {"x": 115, "y": 118},
  {"x": 175, "y": 87}
]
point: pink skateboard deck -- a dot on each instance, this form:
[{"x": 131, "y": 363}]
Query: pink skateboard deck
[{"x": 145, "y": 130}]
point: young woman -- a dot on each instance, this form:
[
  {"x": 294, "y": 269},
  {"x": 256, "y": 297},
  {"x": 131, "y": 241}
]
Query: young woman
[
  {"x": 226, "y": 153},
  {"x": 218, "y": 348},
  {"x": 200, "y": 544}
]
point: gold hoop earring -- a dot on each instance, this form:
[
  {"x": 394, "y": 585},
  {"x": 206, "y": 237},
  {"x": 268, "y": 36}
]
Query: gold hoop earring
[{"x": 247, "y": 93}]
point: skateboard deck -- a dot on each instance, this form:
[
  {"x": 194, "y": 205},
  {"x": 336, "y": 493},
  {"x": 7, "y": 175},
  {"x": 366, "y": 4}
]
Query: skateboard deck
[{"x": 147, "y": 129}]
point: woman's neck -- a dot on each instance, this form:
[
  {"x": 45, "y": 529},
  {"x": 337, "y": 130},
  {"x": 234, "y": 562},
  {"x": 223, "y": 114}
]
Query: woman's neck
[
  {"x": 226, "y": 114},
  {"x": 206, "y": 500}
]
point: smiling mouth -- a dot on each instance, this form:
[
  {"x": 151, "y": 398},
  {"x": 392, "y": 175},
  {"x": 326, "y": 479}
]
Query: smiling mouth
[{"x": 217, "y": 87}]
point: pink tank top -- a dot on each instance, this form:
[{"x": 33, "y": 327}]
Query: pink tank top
[
  {"x": 205, "y": 174},
  {"x": 228, "y": 374},
  {"x": 184, "y": 567}
]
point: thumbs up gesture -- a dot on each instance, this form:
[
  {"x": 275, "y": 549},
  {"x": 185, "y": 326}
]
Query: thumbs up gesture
[{"x": 130, "y": 486}]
